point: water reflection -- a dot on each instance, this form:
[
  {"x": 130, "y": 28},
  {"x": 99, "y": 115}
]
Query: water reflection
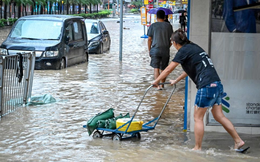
[{"x": 54, "y": 132}]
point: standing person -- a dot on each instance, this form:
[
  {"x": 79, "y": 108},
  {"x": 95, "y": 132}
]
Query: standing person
[
  {"x": 199, "y": 67},
  {"x": 159, "y": 34},
  {"x": 182, "y": 21}
]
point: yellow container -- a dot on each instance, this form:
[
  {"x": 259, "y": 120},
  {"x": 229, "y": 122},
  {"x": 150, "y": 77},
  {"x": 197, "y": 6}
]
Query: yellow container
[{"x": 134, "y": 126}]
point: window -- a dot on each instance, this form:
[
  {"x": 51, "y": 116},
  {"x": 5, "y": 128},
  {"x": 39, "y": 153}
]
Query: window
[
  {"x": 77, "y": 31},
  {"x": 69, "y": 30}
]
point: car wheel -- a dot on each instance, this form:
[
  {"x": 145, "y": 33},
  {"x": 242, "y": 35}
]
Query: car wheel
[
  {"x": 62, "y": 64},
  {"x": 101, "y": 49}
]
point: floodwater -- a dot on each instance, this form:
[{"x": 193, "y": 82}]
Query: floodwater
[{"x": 54, "y": 132}]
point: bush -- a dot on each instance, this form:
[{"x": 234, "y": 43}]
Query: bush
[
  {"x": 15, "y": 19},
  {"x": 100, "y": 14},
  {"x": 10, "y": 21},
  {"x": 4, "y": 21},
  {"x": 134, "y": 10},
  {"x": 1, "y": 23}
]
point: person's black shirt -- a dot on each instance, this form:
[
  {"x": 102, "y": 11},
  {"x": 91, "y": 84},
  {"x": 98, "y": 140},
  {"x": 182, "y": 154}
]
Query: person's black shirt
[
  {"x": 182, "y": 19},
  {"x": 197, "y": 64}
]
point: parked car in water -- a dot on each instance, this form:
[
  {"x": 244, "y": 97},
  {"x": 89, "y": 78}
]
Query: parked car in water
[
  {"x": 98, "y": 36},
  {"x": 58, "y": 40}
]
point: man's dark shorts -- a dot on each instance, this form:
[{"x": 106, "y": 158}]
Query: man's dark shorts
[{"x": 160, "y": 62}]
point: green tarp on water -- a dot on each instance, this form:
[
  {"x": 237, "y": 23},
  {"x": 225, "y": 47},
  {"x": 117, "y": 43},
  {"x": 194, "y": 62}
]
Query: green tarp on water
[
  {"x": 35, "y": 100},
  {"x": 40, "y": 100}
]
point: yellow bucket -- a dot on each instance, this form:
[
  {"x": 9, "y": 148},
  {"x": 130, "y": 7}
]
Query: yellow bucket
[{"x": 134, "y": 126}]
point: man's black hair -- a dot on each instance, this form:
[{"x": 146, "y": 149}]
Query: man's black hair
[{"x": 160, "y": 14}]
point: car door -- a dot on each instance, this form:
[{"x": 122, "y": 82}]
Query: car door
[
  {"x": 76, "y": 43},
  {"x": 79, "y": 40},
  {"x": 106, "y": 37}
]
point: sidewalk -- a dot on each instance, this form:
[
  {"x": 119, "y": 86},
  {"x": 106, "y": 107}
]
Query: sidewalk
[{"x": 125, "y": 15}]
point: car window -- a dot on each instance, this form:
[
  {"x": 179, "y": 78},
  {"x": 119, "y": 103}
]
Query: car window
[
  {"x": 92, "y": 27},
  {"x": 69, "y": 30},
  {"x": 78, "y": 34}
]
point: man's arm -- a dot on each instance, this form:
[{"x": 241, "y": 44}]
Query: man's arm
[
  {"x": 171, "y": 32},
  {"x": 149, "y": 43}
]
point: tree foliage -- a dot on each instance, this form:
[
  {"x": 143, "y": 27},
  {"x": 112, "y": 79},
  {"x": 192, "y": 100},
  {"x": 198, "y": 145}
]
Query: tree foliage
[
  {"x": 137, "y": 3},
  {"x": 43, "y": 3}
]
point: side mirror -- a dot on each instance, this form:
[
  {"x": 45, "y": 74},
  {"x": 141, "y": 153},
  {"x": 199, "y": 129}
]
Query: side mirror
[{"x": 105, "y": 32}]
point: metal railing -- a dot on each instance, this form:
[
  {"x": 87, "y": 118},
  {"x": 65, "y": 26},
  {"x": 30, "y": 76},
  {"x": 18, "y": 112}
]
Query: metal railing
[{"x": 16, "y": 79}]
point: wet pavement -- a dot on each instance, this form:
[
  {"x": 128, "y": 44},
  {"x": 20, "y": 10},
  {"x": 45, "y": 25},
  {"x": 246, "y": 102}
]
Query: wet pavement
[{"x": 54, "y": 132}]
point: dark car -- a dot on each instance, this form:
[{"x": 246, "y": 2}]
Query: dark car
[
  {"x": 59, "y": 40},
  {"x": 98, "y": 36}
]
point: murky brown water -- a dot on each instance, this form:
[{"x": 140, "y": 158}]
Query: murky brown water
[{"x": 54, "y": 132}]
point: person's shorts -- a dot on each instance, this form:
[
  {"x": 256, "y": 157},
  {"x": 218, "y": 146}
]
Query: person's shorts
[
  {"x": 159, "y": 62},
  {"x": 209, "y": 95}
]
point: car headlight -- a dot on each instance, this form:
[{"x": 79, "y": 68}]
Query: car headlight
[
  {"x": 95, "y": 43},
  {"x": 3, "y": 51},
  {"x": 51, "y": 53}
]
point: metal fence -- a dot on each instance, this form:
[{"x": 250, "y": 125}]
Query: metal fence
[{"x": 16, "y": 79}]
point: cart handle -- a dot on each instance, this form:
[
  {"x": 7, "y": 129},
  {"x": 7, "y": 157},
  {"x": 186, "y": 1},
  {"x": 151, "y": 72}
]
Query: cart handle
[
  {"x": 143, "y": 99},
  {"x": 164, "y": 83}
]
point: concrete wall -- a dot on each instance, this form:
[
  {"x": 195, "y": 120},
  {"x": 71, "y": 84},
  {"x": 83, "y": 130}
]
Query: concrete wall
[{"x": 200, "y": 34}]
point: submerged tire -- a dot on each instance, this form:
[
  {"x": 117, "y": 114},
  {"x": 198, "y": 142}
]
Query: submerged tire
[
  {"x": 137, "y": 136},
  {"x": 97, "y": 134},
  {"x": 109, "y": 45},
  {"x": 116, "y": 137},
  {"x": 101, "y": 49},
  {"x": 62, "y": 64}
]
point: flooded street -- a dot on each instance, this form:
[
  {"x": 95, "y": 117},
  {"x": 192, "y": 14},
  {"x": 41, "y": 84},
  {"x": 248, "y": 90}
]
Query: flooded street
[{"x": 54, "y": 132}]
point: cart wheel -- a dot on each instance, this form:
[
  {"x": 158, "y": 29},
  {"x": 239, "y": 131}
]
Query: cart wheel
[
  {"x": 97, "y": 134},
  {"x": 116, "y": 137},
  {"x": 137, "y": 135}
]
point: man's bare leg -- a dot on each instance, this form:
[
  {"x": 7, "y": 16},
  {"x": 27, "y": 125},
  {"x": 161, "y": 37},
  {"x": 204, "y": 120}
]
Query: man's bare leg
[
  {"x": 163, "y": 80},
  {"x": 229, "y": 127},
  {"x": 156, "y": 74},
  {"x": 199, "y": 126}
]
